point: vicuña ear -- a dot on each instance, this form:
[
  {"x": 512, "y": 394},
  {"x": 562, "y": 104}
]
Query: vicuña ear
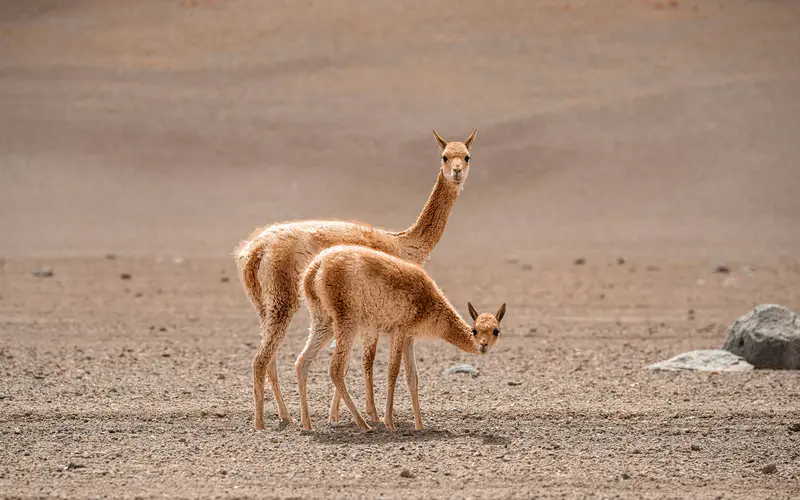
[
  {"x": 442, "y": 142},
  {"x": 468, "y": 142},
  {"x": 500, "y": 313},
  {"x": 472, "y": 312}
]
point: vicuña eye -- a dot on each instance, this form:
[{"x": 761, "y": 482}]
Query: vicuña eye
[
  {"x": 496, "y": 332},
  {"x": 474, "y": 332},
  {"x": 444, "y": 159},
  {"x": 466, "y": 158}
]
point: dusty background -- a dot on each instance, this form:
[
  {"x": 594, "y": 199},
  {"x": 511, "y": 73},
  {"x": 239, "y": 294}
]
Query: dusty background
[{"x": 662, "y": 133}]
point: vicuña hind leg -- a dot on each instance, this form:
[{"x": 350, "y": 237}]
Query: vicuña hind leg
[
  {"x": 410, "y": 367},
  {"x": 274, "y": 323},
  {"x": 333, "y": 416},
  {"x": 321, "y": 333},
  {"x": 367, "y": 361},
  {"x": 395, "y": 357},
  {"x": 345, "y": 335}
]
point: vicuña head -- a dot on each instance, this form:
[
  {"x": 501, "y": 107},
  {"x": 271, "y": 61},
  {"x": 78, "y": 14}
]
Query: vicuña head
[
  {"x": 486, "y": 327},
  {"x": 455, "y": 157}
]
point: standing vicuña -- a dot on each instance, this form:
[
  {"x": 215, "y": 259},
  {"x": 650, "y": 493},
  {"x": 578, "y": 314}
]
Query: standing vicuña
[
  {"x": 351, "y": 290},
  {"x": 271, "y": 260}
]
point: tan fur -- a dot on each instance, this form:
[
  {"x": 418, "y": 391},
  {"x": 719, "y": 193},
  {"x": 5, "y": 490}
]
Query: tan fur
[
  {"x": 352, "y": 291},
  {"x": 271, "y": 260}
]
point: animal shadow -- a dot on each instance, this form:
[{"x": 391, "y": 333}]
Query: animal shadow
[{"x": 345, "y": 434}]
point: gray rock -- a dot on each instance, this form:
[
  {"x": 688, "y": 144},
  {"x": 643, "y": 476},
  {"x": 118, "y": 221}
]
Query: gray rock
[
  {"x": 44, "y": 272},
  {"x": 714, "y": 360},
  {"x": 468, "y": 369},
  {"x": 767, "y": 337}
]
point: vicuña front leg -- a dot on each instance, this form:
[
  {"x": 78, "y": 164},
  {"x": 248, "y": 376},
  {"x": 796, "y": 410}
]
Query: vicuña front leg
[
  {"x": 395, "y": 357},
  {"x": 410, "y": 367}
]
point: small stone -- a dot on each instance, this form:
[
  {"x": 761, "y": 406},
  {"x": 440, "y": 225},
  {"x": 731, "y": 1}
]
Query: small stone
[
  {"x": 794, "y": 427},
  {"x": 690, "y": 314},
  {"x": 44, "y": 272},
  {"x": 769, "y": 469},
  {"x": 138, "y": 294},
  {"x": 708, "y": 360},
  {"x": 17, "y": 430},
  {"x": 73, "y": 466},
  {"x": 220, "y": 377},
  {"x": 406, "y": 474},
  {"x": 579, "y": 261},
  {"x": 468, "y": 369},
  {"x": 125, "y": 276},
  {"x": 224, "y": 279},
  {"x": 652, "y": 268},
  {"x": 625, "y": 475},
  {"x": 620, "y": 261},
  {"x": 512, "y": 259},
  {"x": 110, "y": 256},
  {"x": 513, "y": 384},
  {"x": 527, "y": 267},
  {"x": 695, "y": 447},
  {"x": 162, "y": 328},
  {"x": 219, "y": 414},
  {"x": 722, "y": 269},
  {"x": 165, "y": 355}
]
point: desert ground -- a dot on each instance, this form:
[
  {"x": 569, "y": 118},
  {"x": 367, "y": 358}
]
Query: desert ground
[{"x": 635, "y": 187}]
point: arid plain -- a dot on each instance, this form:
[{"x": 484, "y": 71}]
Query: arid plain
[{"x": 626, "y": 150}]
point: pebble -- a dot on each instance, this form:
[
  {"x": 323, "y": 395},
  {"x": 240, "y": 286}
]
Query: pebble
[
  {"x": 620, "y": 261},
  {"x": 406, "y": 474},
  {"x": 220, "y": 377},
  {"x": 795, "y": 427},
  {"x": 722, "y": 269},
  {"x": 110, "y": 256},
  {"x": 527, "y": 267},
  {"x": 769, "y": 469},
  {"x": 468, "y": 369},
  {"x": 625, "y": 475},
  {"x": 17, "y": 430},
  {"x": 224, "y": 279},
  {"x": 579, "y": 261},
  {"x": 73, "y": 466},
  {"x": 44, "y": 272},
  {"x": 125, "y": 276},
  {"x": 512, "y": 383},
  {"x": 695, "y": 447}
]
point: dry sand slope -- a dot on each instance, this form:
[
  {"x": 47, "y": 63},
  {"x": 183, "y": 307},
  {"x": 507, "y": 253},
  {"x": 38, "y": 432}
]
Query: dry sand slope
[{"x": 664, "y": 134}]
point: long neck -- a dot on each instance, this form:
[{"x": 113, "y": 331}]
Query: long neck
[
  {"x": 426, "y": 232},
  {"x": 454, "y": 330}
]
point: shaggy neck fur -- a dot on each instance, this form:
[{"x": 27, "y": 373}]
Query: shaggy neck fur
[
  {"x": 454, "y": 330},
  {"x": 429, "y": 227}
]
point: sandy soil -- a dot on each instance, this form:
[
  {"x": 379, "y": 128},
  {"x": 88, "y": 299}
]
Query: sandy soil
[{"x": 665, "y": 135}]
